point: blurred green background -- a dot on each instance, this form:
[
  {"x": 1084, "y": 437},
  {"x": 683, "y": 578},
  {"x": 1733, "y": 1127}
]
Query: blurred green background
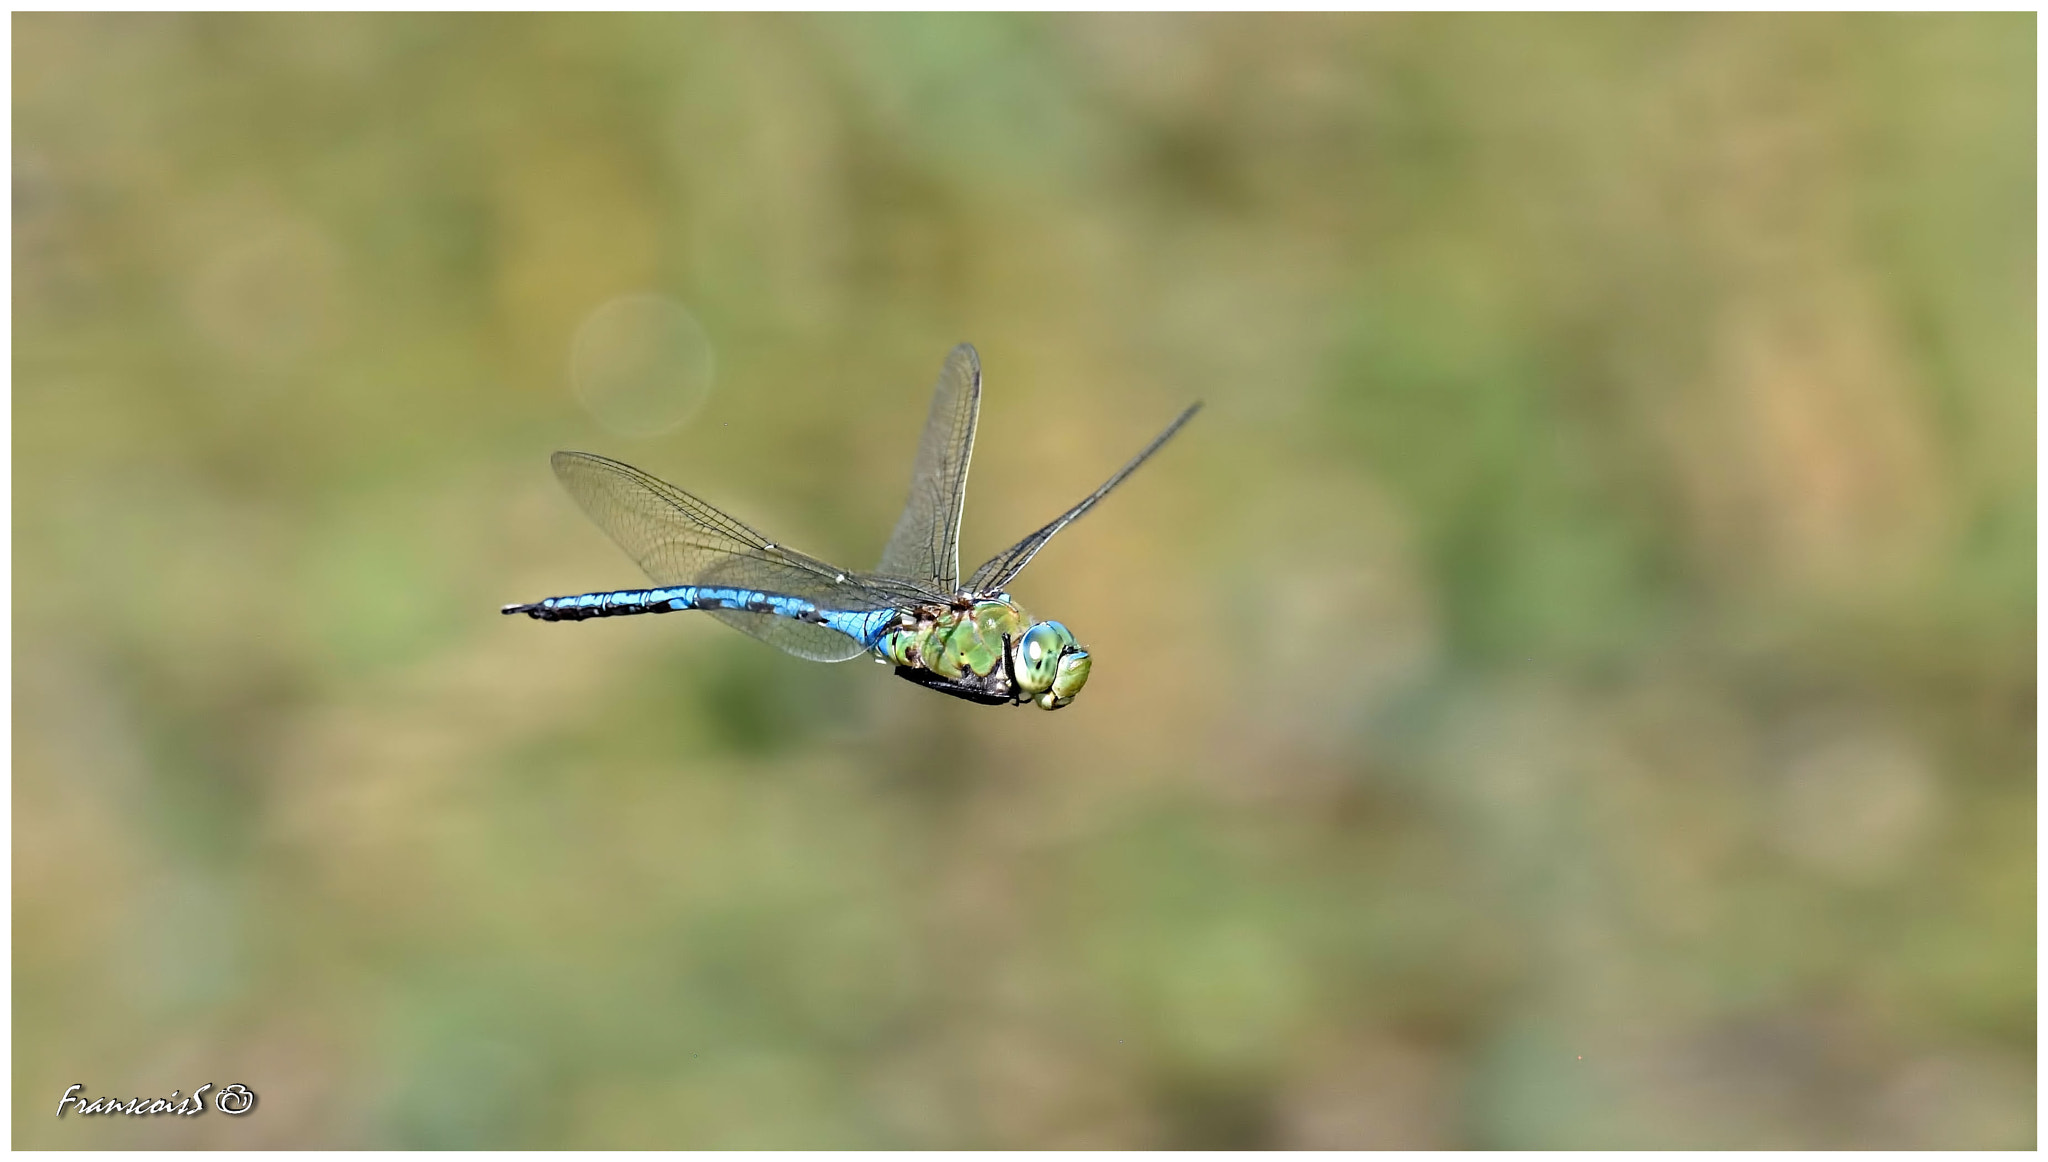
[{"x": 1572, "y": 688}]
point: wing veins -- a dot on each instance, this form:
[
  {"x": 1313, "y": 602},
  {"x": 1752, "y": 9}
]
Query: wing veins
[
  {"x": 925, "y": 545},
  {"x": 678, "y": 539}
]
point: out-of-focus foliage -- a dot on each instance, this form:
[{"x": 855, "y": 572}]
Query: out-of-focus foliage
[{"x": 1573, "y": 687}]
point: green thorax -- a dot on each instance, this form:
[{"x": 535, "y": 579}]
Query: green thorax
[
  {"x": 954, "y": 643},
  {"x": 987, "y": 650}
]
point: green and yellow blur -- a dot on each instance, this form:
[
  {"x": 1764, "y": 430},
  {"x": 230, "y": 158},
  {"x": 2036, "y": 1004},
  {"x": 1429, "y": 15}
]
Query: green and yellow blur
[{"x": 1573, "y": 688}]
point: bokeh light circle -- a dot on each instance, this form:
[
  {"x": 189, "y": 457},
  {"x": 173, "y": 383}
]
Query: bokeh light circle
[{"x": 641, "y": 364}]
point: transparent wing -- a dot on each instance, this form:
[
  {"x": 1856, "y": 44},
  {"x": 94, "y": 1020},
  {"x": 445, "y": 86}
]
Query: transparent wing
[
  {"x": 999, "y": 569},
  {"x": 926, "y": 544},
  {"x": 678, "y": 539},
  {"x": 815, "y": 642}
]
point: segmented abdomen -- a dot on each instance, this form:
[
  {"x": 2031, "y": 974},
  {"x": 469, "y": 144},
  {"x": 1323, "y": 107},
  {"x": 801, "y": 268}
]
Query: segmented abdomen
[
  {"x": 620, "y": 602},
  {"x": 864, "y": 626}
]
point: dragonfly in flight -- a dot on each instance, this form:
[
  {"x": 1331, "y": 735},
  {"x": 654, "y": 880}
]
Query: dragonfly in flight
[{"x": 965, "y": 638}]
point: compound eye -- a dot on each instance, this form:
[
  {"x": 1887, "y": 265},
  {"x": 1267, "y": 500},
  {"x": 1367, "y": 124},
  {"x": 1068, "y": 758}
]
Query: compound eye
[
  {"x": 1070, "y": 675},
  {"x": 1038, "y": 655}
]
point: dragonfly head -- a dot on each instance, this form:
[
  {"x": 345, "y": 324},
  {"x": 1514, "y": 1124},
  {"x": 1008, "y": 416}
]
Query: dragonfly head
[{"x": 1051, "y": 667}]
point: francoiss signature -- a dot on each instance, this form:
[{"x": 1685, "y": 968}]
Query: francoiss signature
[{"x": 234, "y": 1100}]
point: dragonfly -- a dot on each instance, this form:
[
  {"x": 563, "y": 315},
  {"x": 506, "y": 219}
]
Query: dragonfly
[{"x": 966, "y": 638}]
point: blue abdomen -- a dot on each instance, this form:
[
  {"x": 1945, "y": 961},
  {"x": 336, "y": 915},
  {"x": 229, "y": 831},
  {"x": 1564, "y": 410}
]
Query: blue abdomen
[{"x": 864, "y": 626}]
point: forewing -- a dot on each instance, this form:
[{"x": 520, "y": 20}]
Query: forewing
[
  {"x": 997, "y": 571},
  {"x": 926, "y": 544}
]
